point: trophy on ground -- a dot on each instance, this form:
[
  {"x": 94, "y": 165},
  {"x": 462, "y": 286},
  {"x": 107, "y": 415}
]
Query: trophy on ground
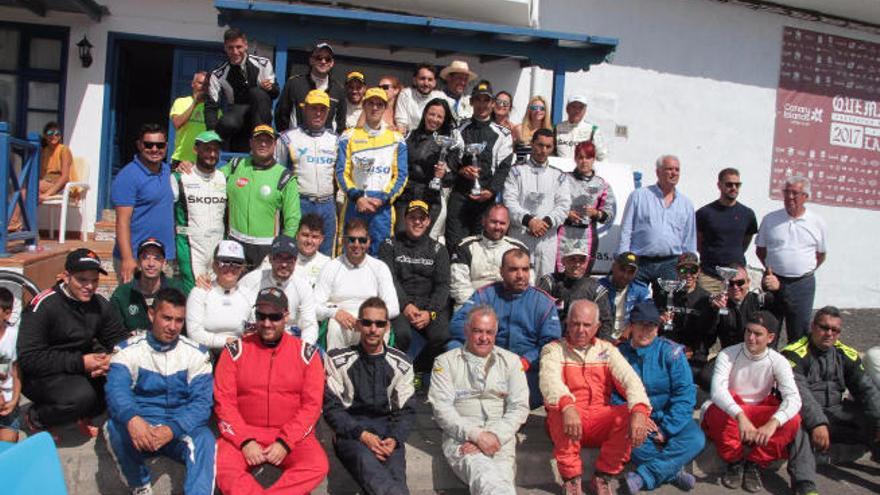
[
  {"x": 727, "y": 274},
  {"x": 446, "y": 143},
  {"x": 474, "y": 149},
  {"x": 670, "y": 287}
]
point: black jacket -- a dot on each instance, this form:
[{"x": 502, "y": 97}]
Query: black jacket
[
  {"x": 692, "y": 320},
  {"x": 422, "y": 153},
  {"x": 295, "y": 90},
  {"x": 420, "y": 269},
  {"x": 566, "y": 290},
  {"x": 227, "y": 83},
  {"x": 729, "y": 329},
  {"x": 494, "y": 161},
  {"x": 56, "y": 331}
]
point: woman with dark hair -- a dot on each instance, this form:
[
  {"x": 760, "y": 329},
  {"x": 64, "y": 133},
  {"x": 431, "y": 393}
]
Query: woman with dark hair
[
  {"x": 424, "y": 158},
  {"x": 592, "y": 203},
  {"x": 501, "y": 113}
]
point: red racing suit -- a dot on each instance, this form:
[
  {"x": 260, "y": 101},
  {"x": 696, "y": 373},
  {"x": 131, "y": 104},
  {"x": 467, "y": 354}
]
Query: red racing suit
[{"x": 266, "y": 394}]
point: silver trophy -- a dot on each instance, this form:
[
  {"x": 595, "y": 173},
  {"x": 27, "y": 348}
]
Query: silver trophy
[
  {"x": 670, "y": 287},
  {"x": 727, "y": 274},
  {"x": 474, "y": 149},
  {"x": 446, "y": 143},
  {"x": 364, "y": 164}
]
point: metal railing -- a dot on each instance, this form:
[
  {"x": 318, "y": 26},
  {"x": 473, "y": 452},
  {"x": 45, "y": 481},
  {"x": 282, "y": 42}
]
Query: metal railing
[{"x": 13, "y": 186}]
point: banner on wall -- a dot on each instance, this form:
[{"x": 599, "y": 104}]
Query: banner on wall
[{"x": 828, "y": 118}]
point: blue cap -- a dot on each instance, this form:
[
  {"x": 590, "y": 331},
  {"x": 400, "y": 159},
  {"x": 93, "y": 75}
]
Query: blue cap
[
  {"x": 284, "y": 244},
  {"x": 645, "y": 312}
]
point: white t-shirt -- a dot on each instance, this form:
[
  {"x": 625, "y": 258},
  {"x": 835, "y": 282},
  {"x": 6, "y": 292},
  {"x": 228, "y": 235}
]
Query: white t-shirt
[
  {"x": 345, "y": 286},
  {"x": 300, "y": 299},
  {"x": 792, "y": 243},
  {"x": 216, "y": 314},
  {"x": 7, "y": 357}
]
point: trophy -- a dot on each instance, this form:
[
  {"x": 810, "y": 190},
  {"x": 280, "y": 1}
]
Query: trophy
[
  {"x": 445, "y": 143},
  {"x": 364, "y": 164},
  {"x": 670, "y": 287},
  {"x": 726, "y": 274},
  {"x": 475, "y": 149}
]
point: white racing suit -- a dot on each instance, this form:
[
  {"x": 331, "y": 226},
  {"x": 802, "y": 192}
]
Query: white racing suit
[
  {"x": 199, "y": 219},
  {"x": 569, "y": 135},
  {"x": 471, "y": 395},
  {"x": 537, "y": 191},
  {"x": 476, "y": 262}
]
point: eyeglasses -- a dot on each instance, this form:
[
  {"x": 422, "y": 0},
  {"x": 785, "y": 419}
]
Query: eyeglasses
[
  {"x": 357, "y": 239},
  {"x": 788, "y": 193},
  {"x": 268, "y": 316},
  {"x": 226, "y": 265},
  {"x": 502, "y": 103},
  {"x": 325, "y": 58},
  {"x": 537, "y": 108},
  {"x": 688, "y": 270},
  {"x": 154, "y": 144},
  {"x": 736, "y": 283},
  {"x": 386, "y": 87},
  {"x": 828, "y": 328},
  {"x": 733, "y": 184},
  {"x": 53, "y": 132},
  {"x": 369, "y": 323}
]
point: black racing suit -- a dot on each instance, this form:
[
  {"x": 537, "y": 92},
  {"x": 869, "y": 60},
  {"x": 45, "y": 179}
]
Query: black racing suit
[
  {"x": 295, "y": 90},
  {"x": 692, "y": 320},
  {"x": 420, "y": 268},
  {"x": 56, "y": 331},
  {"x": 422, "y": 153},
  {"x": 566, "y": 290}
]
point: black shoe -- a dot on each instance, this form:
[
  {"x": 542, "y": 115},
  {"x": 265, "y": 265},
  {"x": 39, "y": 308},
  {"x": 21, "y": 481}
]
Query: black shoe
[
  {"x": 733, "y": 476},
  {"x": 752, "y": 478}
]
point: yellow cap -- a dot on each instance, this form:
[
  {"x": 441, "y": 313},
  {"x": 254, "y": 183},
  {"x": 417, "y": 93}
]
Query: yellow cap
[
  {"x": 417, "y": 205},
  {"x": 263, "y": 129},
  {"x": 376, "y": 93},
  {"x": 355, "y": 75},
  {"x": 317, "y": 97}
]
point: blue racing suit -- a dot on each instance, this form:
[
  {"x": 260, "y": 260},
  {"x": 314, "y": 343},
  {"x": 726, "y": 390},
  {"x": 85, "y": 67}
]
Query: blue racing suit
[
  {"x": 526, "y": 322},
  {"x": 667, "y": 377},
  {"x": 164, "y": 384},
  {"x": 371, "y": 163},
  {"x": 636, "y": 292}
]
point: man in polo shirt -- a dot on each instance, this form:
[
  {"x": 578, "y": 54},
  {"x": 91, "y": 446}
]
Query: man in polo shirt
[
  {"x": 658, "y": 224},
  {"x": 724, "y": 231},
  {"x": 355, "y": 88},
  {"x": 144, "y": 203},
  {"x": 132, "y": 299},
  {"x": 791, "y": 244}
]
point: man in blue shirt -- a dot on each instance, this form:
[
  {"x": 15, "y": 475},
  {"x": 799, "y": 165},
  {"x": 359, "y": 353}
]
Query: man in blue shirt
[
  {"x": 658, "y": 224},
  {"x": 624, "y": 292},
  {"x": 144, "y": 203}
]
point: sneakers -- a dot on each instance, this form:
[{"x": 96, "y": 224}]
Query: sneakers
[
  {"x": 572, "y": 486},
  {"x": 684, "y": 481},
  {"x": 600, "y": 486},
  {"x": 733, "y": 476},
  {"x": 634, "y": 482},
  {"x": 752, "y": 478},
  {"x": 142, "y": 490}
]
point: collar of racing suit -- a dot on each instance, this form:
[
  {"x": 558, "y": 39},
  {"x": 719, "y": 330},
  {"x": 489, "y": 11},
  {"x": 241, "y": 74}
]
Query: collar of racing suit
[
  {"x": 160, "y": 346},
  {"x": 314, "y": 133},
  {"x": 579, "y": 176}
]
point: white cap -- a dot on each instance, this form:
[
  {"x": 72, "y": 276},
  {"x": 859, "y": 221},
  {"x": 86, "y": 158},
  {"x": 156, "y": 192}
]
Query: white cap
[
  {"x": 229, "y": 250},
  {"x": 576, "y": 99},
  {"x": 575, "y": 247}
]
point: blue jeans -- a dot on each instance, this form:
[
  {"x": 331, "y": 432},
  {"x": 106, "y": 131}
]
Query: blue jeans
[
  {"x": 657, "y": 466},
  {"x": 794, "y": 304},
  {"x": 657, "y": 267},
  {"x": 327, "y": 211}
]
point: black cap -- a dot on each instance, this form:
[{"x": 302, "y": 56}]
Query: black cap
[
  {"x": 765, "y": 319},
  {"x": 150, "y": 242},
  {"x": 483, "y": 87},
  {"x": 82, "y": 259},
  {"x": 284, "y": 244},
  {"x": 323, "y": 45},
  {"x": 627, "y": 258},
  {"x": 645, "y": 312},
  {"x": 272, "y": 296}
]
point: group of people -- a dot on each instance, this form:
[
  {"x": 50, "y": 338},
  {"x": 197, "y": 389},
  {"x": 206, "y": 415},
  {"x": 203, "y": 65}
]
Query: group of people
[{"x": 230, "y": 304}]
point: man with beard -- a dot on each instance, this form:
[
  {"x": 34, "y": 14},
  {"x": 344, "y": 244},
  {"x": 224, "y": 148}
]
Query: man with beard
[{"x": 411, "y": 101}]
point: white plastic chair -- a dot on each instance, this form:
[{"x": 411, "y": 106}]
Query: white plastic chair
[{"x": 74, "y": 194}]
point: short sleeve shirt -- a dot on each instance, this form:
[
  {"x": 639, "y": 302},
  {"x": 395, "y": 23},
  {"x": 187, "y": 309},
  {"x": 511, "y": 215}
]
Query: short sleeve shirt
[
  {"x": 153, "y": 201},
  {"x": 185, "y": 137},
  {"x": 7, "y": 357},
  {"x": 792, "y": 243},
  {"x": 723, "y": 229}
]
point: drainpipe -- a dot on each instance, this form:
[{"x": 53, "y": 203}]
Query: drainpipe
[{"x": 534, "y": 22}]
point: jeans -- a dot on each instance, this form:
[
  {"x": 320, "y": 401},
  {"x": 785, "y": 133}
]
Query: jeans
[{"x": 657, "y": 267}]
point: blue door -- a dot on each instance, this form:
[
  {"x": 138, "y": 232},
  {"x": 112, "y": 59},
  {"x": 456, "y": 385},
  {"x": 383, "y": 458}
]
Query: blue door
[{"x": 187, "y": 62}]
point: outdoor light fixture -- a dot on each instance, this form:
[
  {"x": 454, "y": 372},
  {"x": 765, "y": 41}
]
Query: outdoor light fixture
[{"x": 85, "y": 52}]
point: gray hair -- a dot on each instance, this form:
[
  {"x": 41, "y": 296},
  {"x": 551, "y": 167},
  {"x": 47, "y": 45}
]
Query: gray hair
[
  {"x": 478, "y": 311},
  {"x": 659, "y": 164},
  {"x": 794, "y": 180},
  {"x": 583, "y": 302}
]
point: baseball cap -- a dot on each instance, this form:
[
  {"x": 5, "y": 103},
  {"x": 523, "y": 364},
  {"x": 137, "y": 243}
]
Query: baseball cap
[
  {"x": 575, "y": 247},
  {"x": 284, "y": 244},
  {"x": 317, "y": 97},
  {"x": 483, "y": 87},
  {"x": 355, "y": 76},
  {"x": 627, "y": 258},
  {"x": 272, "y": 296},
  {"x": 230, "y": 251},
  {"x": 208, "y": 137},
  {"x": 645, "y": 312},
  {"x": 688, "y": 259},
  {"x": 417, "y": 204},
  {"x": 576, "y": 99},
  {"x": 263, "y": 129},
  {"x": 151, "y": 242},
  {"x": 323, "y": 45},
  {"x": 376, "y": 93},
  {"x": 82, "y": 259},
  {"x": 765, "y": 319}
]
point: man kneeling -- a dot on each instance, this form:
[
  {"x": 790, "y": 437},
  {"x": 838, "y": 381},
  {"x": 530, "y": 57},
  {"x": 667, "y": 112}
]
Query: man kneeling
[
  {"x": 578, "y": 374},
  {"x": 480, "y": 397},
  {"x": 159, "y": 399}
]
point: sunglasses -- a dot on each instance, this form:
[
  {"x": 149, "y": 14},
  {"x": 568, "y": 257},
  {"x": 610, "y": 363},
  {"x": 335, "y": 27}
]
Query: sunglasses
[
  {"x": 828, "y": 328},
  {"x": 386, "y": 87},
  {"x": 537, "y": 108},
  {"x": 733, "y": 184},
  {"x": 736, "y": 283},
  {"x": 154, "y": 144},
  {"x": 268, "y": 316},
  {"x": 688, "y": 270},
  {"x": 502, "y": 104},
  {"x": 53, "y": 132},
  {"x": 369, "y": 323},
  {"x": 357, "y": 240},
  {"x": 322, "y": 59}
]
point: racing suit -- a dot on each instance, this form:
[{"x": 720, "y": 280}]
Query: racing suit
[
  {"x": 423, "y": 153},
  {"x": 163, "y": 384},
  {"x": 566, "y": 290},
  {"x": 256, "y": 196},
  {"x": 664, "y": 372},
  {"x": 587, "y": 191},
  {"x": 526, "y": 322},
  {"x": 370, "y": 393},
  {"x": 463, "y": 214},
  {"x": 420, "y": 269},
  {"x": 56, "y": 331},
  {"x": 371, "y": 163},
  {"x": 471, "y": 395},
  {"x": 247, "y": 103},
  {"x": 300, "y": 299},
  {"x": 537, "y": 190},
  {"x": 311, "y": 155},
  {"x": 585, "y": 379},
  {"x": 268, "y": 392},
  {"x": 634, "y": 293},
  {"x": 569, "y": 135},
  {"x": 692, "y": 318},
  {"x": 199, "y": 219},
  {"x": 476, "y": 262}
]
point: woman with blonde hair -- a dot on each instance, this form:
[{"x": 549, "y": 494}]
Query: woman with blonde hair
[{"x": 537, "y": 116}]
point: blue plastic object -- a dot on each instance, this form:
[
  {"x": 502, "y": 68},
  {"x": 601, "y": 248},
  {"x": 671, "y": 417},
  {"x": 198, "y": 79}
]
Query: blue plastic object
[{"x": 32, "y": 467}]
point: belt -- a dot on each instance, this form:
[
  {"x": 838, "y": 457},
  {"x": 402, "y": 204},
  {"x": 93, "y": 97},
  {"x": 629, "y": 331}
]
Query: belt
[
  {"x": 789, "y": 280},
  {"x": 318, "y": 199},
  {"x": 249, "y": 239},
  {"x": 658, "y": 258}
]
